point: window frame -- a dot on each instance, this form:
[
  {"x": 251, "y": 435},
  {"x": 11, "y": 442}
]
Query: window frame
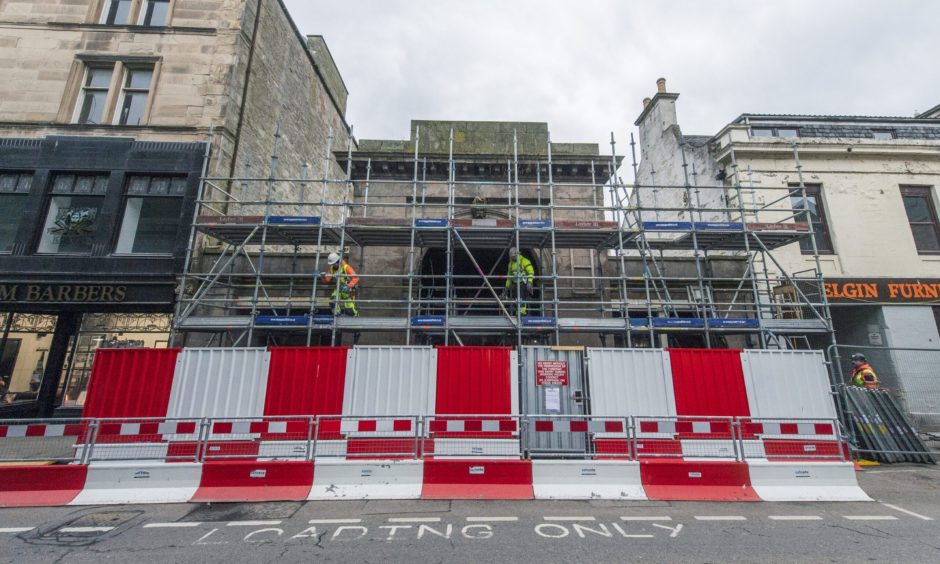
[
  {"x": 124, "y": 89},
  {"x": 145, "y": 10},
  {"x": 892, "y": 134},
  {"x": 814, "y": 191},
  {"x": 20, "y": 175},
  {"x": 926, "y": 193},
  {"x": 137, "y": 14},
  {"x": 774, "y": 131},
  {"x": 108, "y": 6},
  {"x": 84, "y": 87},
  {"x": 127, "y": 196},
  {"x": 49, "y": 197}
]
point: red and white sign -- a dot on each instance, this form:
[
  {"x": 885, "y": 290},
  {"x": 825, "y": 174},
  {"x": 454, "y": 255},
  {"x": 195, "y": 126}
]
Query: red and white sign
[{"x": 551, "y": 373}]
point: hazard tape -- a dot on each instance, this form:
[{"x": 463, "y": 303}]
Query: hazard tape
[
  {"x": 42, "y": 430},
  {"x": 686, "y": 427},
  {"x": 472, "y": 426},
  {"x": 579, "y": 426}
]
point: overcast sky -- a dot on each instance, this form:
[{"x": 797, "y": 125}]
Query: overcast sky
[{"x": 585, "y": 66}]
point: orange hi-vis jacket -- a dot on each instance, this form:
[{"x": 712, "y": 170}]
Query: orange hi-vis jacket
[
  {"x": 346, "y": 272},
  {"x": 865, "y": 377}
]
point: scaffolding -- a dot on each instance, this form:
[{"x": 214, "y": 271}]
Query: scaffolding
[{"x": 700, "y": 272}]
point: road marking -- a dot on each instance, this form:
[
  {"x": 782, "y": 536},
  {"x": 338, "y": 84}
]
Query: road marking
[
  {"x": 85, "y": 529},
  {"x": 871, "y": 517},
  {"x": 333, "y": 521},
  {"x": 644, "y": 518},
  {"x": 568, "y": 518},
  {"x": 720, "y": 518},
  {"x": 252, "y": 523},
  {"x": 172, "y": 525},
  {"x": 16, "y": 529},
  {"x": 492, "y": 519},
  {"x": 675, "y": 532},
  {"x": 795, "y": 518},
  {"x": 414, "y": 520},
  {"x": 909, "y": 512}
]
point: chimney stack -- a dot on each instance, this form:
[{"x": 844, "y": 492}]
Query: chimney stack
[
  {"x": 646, "y": 102},
  {"x": 661, "y": 85}
]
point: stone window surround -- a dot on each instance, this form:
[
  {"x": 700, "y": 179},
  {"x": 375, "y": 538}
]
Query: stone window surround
[
  {"x": 97, "y": 9},
  {"x": 70, "y": 101}
]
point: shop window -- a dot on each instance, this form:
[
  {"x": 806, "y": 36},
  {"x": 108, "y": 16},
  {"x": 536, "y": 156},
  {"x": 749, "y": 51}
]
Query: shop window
[
  {"x": 152, "y": 215},
  {"x": 812, "y": 210},
  {"x": 73, "y": 215},
  {"x": 14, "y": 189},
  {"x": 94, "y": 94},
  {"x": 922, "y": 217}
]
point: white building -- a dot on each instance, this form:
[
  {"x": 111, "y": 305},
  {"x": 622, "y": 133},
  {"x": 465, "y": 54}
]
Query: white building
[{"x": 871, "y": 188}]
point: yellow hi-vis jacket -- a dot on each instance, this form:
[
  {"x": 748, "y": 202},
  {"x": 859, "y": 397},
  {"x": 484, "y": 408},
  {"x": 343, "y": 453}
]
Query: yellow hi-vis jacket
[
  {"x": 520, "y": 270},
  {"x": 865, "y": 377}
]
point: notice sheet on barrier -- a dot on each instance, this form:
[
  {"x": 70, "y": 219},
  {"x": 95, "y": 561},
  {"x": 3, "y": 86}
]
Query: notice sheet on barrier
[{"x": 552, "y": 400}]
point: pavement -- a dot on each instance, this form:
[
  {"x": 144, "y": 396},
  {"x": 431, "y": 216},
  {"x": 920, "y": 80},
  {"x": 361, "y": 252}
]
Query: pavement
[{"x": 903, "y": 524}]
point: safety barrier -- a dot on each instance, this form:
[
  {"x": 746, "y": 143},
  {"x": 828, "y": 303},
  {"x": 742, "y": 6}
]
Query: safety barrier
[{"x": 108, "y": 461}]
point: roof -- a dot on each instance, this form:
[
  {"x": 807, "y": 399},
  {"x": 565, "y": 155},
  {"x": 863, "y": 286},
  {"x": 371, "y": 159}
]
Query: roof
[{"x": 746, "y": 117}]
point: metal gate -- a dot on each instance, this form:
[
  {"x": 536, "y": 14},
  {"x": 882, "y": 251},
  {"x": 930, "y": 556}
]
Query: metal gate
[{"x": 553, "y": 384}]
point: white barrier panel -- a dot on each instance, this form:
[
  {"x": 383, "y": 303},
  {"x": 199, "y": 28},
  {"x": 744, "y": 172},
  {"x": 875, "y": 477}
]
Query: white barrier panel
[
  {"x": 705, "y": 449},
  {"x": 339, "y": 479},
  {"x": 219, "y": 383},
  {"x": 142, "y": 451},
  {"x": 587, "y": 479},
  {"x": 283, "y": 450},
  {"x": 115, "y": 483},
  {"x": 471, "y": 448},
  {"x": 789, "y": 384},
  {"x": 805, "y": 481}
]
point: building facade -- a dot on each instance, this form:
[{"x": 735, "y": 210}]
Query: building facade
[
  {"x": 868, "y": 185},
  {"x": 110, "y": 113}
]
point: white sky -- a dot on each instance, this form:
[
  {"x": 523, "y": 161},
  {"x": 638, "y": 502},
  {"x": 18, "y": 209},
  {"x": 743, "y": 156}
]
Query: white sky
[{"x": 585, "y": 66}]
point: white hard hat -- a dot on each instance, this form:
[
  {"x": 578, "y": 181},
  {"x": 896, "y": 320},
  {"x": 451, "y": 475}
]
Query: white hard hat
[{"x": 333, "y": 258}]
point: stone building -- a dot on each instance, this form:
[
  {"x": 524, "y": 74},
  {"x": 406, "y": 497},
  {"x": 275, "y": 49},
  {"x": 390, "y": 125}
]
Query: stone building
[
  {"x": 106, "y": 107},
  {"x": 870, "y": 192}
]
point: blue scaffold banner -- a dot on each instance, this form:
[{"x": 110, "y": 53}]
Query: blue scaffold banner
[
  {"x": 428, "y": 321},
  {"x": 730, "y": 323},
  {"x": 667, "y": 225},
  {"x": 531, "y": 321},
  {"x": 678, "y": 322},
  {"x": 718, "y": 226},
  {"x": 293, "y": 220},
  {"x": 282, "y": 320},
  {"x": 535, "y": 224},
  {"x": 436, "y": 223}
]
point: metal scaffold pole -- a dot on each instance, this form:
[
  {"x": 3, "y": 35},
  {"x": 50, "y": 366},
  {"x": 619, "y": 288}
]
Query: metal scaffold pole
[
  {"x": 642, "y": 244},
  {"x": 696, "y": 251},
  {"x": 264, "y": 237},
  {"x": 318, "y": 253},
  {"x": 551, "y": 209},
  {"x": 191, "y": 242},
  {"x": 451, "y": 180},
  {"x": 411, "y": 246},
  {"x": 342, "y": 245},
  {"x": 751, "y": 256},
  {"x": 624, "y": 299}
]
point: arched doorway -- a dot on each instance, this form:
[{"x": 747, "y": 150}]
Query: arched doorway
[{"x": 469, "y": 294}]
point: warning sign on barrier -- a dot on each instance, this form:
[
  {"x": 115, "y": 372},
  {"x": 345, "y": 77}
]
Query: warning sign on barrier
[{"x": 551, "y": 373}]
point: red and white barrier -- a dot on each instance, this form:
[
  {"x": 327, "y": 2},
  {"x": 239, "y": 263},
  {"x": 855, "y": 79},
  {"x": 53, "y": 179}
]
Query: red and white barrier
[
  {"x": 116, "y": 483},
  {"x": 805, "y": 481}
]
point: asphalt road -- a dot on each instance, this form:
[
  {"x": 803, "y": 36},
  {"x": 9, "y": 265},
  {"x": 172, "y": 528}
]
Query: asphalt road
[{"x": 902, "y": 525}]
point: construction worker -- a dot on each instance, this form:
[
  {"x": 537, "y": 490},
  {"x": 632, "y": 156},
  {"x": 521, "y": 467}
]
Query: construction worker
[
  {"x": 520, "y": 272},
  {"x": 345, "y": 302},
  {"x": 862, "y": 375}
]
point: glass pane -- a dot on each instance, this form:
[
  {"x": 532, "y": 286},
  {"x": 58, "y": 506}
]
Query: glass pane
[
  {"x": 11, "y": 208},
  {"x": 139, "y": 79},
  {"x": 917, "y": 208},
  {"x": 92, "y": 107},
  {"x": 150, "y": 225},
  {"x": 8, "y": 183},
  {"x": 882, "y": 135},
  {"x": 138, "y": 185},
  {"x": 119, "y": 12},
  {"x": 24, "y": 184},
  {"x": 160, "y": 186},
  {"x": 63, "y": 184},
  {"x": 98, "y": 77},
  {"x": 156, "y": 12},
  {"x": 787, "y": 132},
  {"x": 179, "y": 187},
  {"x": 84, "y": 184},
  {"x": 71, "y": 224},
  {"x": 925, "y": 237},
  {"x": 761, "y": 132},
  {"x": 132, "y": 111}
]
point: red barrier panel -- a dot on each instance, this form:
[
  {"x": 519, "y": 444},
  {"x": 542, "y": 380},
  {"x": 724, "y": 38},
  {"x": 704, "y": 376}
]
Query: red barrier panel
[
  {"x": 477, "y": 479},
  {"x": 254, "y": 481},
  {"x": 709, "y": 382},
  {"x": 474, "y": 381},
  {"x": 306, "y": 381},
  {"x": 130, "y": 383},
  {"x": 40, "y": 486},
  {"x": 673, "y": 480}
]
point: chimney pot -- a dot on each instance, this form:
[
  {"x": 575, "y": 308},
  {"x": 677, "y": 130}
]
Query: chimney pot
[
  {"x": 646, "y": 102},
  {"x": 661, "y": 85}
]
